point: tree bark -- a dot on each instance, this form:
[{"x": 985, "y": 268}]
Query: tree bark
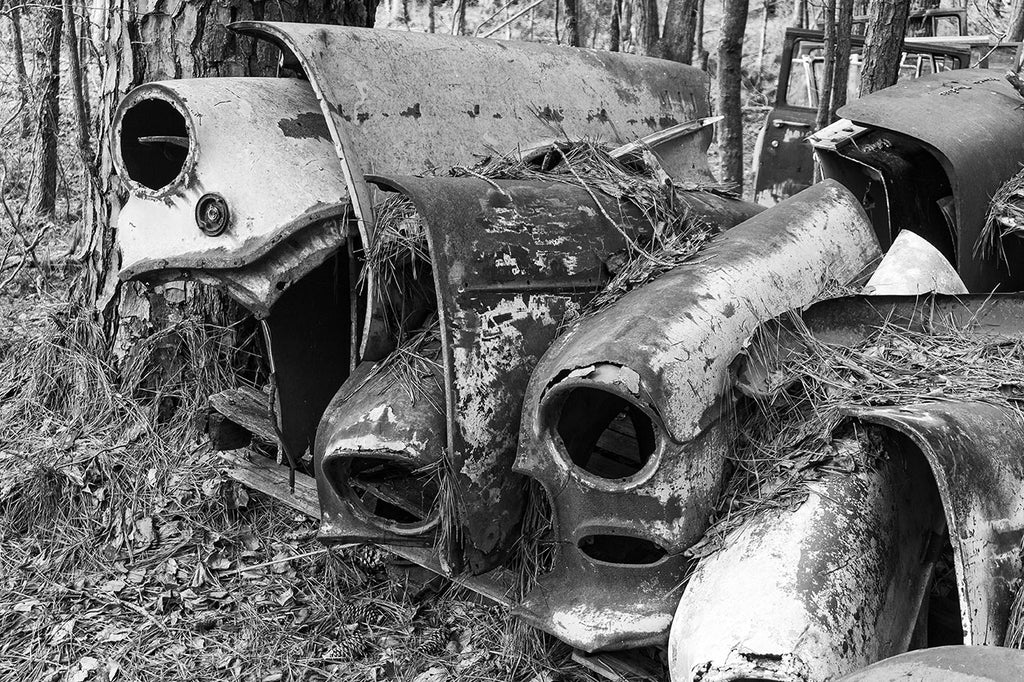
[
  {"x": 730, "y": 58},
  {"x": 698, "y": 38},
  {"x": 800, "y": 14},
  {"x": 18, "y": 57},
  {"x": 77, "y": 77},
  {"x": 1015, "y": 30},
  {"x": 145, "y": 42},
  {"x": 572, "y": 23},
  {"x": 615, "y": 30},
  {"x": 844, "y": 32},
  {"x": 883, "y": 44},
  {"x": 648, "y": 27},
  {"x": 677, "y": 39},
  {"x": 828, "y": 68},
  {"x": 44, "y": 190}
]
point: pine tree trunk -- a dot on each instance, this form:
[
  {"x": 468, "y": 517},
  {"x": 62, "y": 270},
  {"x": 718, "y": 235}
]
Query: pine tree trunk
[
  {"x": 800, "y": 14},
  {"x": 730, "y": 58},
  {"x": 844, "y": 31},
  {"x": 680, "y": 28},
  {"x": 1015, "y": 30},
  {"x": 615, "y": 31},
  {"x": 76, "y": 78},
  {"x": 44, "y": 190},
  {"x": 647, "y": 27},
  {"x": 18, "y": 57},
  {"x": 828, "y": 68},
  {"x": 144, "y": 42},
  {"x": 883, "y": 44},
  {"x": 572, "y": 23}
]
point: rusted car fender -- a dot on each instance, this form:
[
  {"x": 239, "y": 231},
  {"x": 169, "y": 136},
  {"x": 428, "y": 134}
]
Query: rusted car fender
[
  {"x": 972, "y": 448},
  {"x": 881, "y": 133},
  {"x": 817, "y": 591},
  {"x": 258, "y": 151},
  {"x": 947, "y": 663},
  {"x": 511, "y": 259},
  {"x": 660, "y": 357}
]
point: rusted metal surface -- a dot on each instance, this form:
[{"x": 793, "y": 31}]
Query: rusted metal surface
[
  {"x": 976, "y": 159},
  {"x": 510, "y": 260},
  {"x": 662, "y": 354},
  {"x": 243, "y": 137},
  {"x": 947, "y": 664},
  {"x": 783, "y": 159},
  {"x": 974, "y": 450},
  {"x": 375, "y": 450},
  {"x": 400, "y": 102},
  {"x": 818, "y": 591}
]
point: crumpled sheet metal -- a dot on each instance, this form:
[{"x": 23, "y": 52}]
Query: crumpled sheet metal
[
  {"x": 947, "y": 664},
  {"x": 379, "y": 418},
  {"x": 817, "y": 591},
  {"x": 511, "y": 259},
  {"x": 247, "y": 136},
  {"x": 973, "y": 448},
  {"x": 666, "y": 349},
  {"x": 400, "y": 102},
  {"x": 972, "y": 121}
]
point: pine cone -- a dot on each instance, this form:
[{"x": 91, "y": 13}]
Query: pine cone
[
  {"x": 370, "y": 558},
  {"x": 351, "y": 646},
  {"x": 434, "y": 642}
]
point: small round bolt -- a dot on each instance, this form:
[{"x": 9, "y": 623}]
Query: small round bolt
[{"x": 212, "y": 214}]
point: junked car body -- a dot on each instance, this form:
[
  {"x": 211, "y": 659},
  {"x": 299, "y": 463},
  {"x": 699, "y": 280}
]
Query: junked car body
[{"x": 622, "y": 417}]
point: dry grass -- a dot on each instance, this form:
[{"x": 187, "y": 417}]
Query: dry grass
[
  {"x": 125, "y": 553},
  {"x": 1005, "y": 219},
  {"x": 785, "y": 436}
]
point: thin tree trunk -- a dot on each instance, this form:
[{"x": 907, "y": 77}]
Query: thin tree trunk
[
  {"x": 18, "y": 57},
  {"x": 459, "y": 24},
  {"x": 77, "y": 78},
  {"x": 800, "y": 14},
  {"x": 680, "y": 28},
  {"x": 844, "y": 31},
  {"x": 1015, "y": 30},
  {"x": 572, "y": 23},
  {"x": 615, "y": 31},
  {"x": 698, "y": 36},
  {"x": 649, "y": 32},
  {"x": 730, "y": 58},
  {"x": 883, "y": 44},
  {"x": 432, "y": 27},
  {"x": 828, "y": 69},
  {"x": 764, "y": 36},
  {"x": 44, "y": 190}
]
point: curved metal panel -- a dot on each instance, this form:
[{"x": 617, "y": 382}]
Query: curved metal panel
[
  {"x": 946, "y": 664},
  {"x": 402, "y": 102},
  {"x": 262, "y": 144},
  {"x": 511, "y": 259},
  {"x": 972, "y": 121},
  {"x": 818, "y": 590},
  {"x": 974, "y": 450},
  {"x": 665, "y": 349}
]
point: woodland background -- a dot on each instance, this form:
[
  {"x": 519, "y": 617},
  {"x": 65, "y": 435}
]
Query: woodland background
[{"x": 124, "y": 554}]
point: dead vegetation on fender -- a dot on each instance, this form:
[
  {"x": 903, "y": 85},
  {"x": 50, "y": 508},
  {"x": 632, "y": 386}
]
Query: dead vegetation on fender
[{"x": 786, "y": 434}]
